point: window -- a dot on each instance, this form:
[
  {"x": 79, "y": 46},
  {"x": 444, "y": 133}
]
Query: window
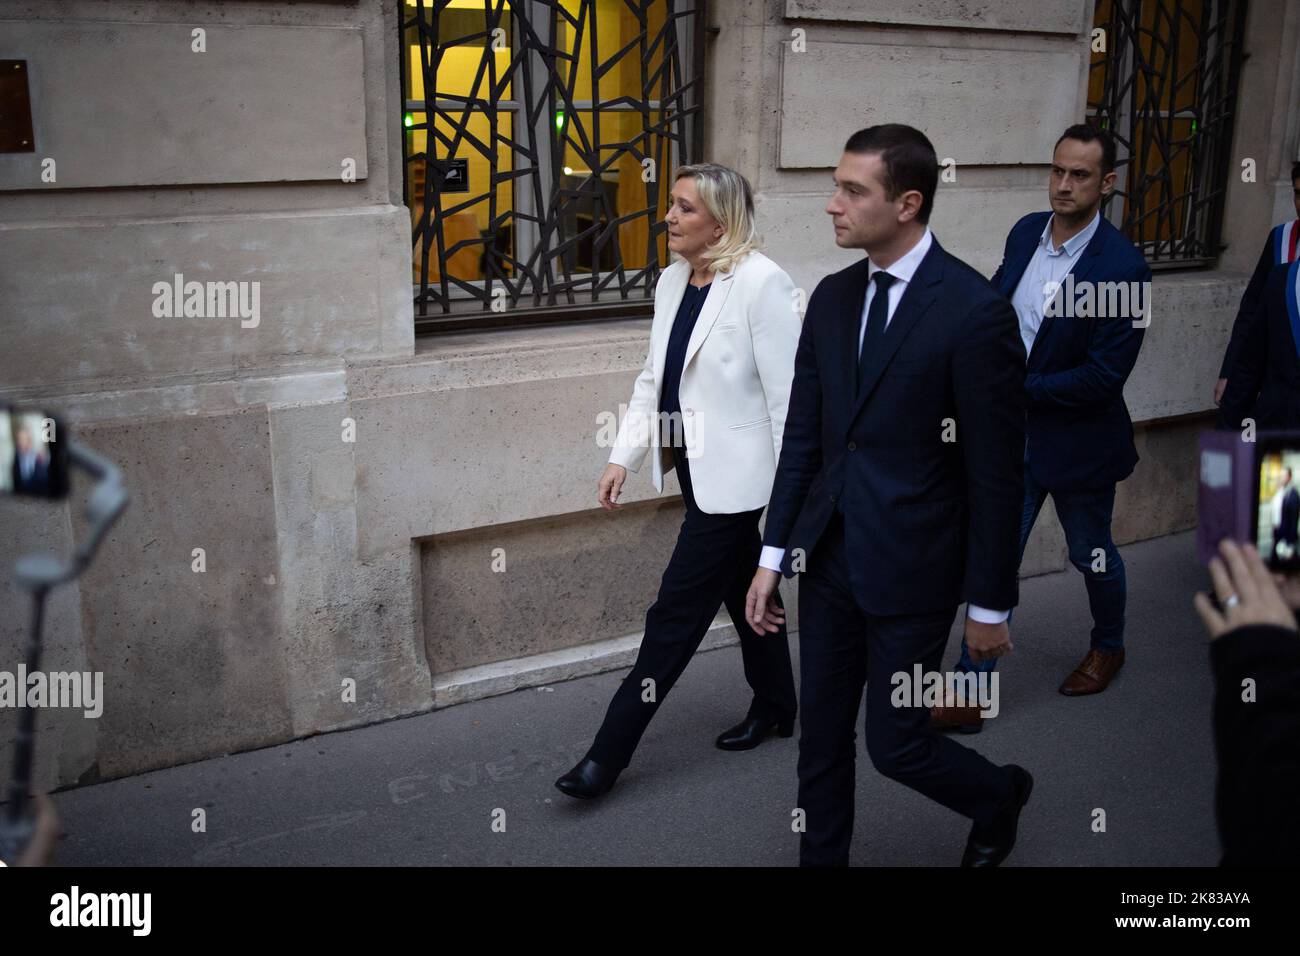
[
  {"x": 1165, "y": 87},
  {"x": 539, "y": 137}
]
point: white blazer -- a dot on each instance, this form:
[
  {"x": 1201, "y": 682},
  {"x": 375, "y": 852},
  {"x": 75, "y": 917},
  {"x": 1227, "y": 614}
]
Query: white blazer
[{"x": 734, "y": 388}]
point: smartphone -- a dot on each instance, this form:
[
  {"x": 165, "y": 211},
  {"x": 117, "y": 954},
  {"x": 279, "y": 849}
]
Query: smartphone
[
  {"x": 33, "y": 453},
  {"x": 1249, "y": 492}
]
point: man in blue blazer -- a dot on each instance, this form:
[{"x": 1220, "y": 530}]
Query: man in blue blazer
[
  {"x": 1081, "y": 292},
  {"x": 898, "y": 496}
]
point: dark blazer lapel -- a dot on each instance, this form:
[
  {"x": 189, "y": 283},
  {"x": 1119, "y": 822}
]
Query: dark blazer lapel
[
  {"x": 850, "y": 327},
  {"x": 917, "y": 298},
  {"x": 1091, "y": 256},
  {"x": 1019, "y": 261},
  {"x": 1016, "y": 268}
]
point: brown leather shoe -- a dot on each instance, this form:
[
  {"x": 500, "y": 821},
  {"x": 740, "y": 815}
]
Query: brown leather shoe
[
  {"x": 1093, "y": 675},
  {"x": 955, "y": 714}
]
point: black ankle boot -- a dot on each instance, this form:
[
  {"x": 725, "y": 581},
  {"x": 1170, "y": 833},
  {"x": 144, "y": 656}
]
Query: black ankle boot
[
  {"x": 587, "y": 780},
  {"x": 751, "y": 731}
]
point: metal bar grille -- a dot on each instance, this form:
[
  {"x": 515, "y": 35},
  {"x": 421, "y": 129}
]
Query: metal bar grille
[
  {"x": 1165, "y": 87},
  {"x": 525, "y": 153}
]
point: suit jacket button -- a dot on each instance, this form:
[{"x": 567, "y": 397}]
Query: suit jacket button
[{"x": 853, "y": 446}]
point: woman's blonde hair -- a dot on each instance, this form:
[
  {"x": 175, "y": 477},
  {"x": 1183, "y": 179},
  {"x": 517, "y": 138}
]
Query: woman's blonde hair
[{"x": 729, "y": 199}]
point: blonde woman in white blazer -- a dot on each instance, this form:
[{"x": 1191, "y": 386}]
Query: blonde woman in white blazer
[{"x": 711, "y": 403}]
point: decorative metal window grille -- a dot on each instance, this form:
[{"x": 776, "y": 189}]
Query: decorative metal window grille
[
  {"x": 540, "y": 138},
  {"x": 1165, "y": 87}
]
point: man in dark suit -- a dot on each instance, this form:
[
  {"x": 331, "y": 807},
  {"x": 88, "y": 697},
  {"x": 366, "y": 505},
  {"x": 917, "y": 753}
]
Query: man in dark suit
[
  {"x": 898, "y": 496},
  {"x": 1281, "y": 247},
  {"x": 1080, "y": 290},
  {"x": 31, "y": 465},
  {"x": 1288, "y": 519},
  {"x": 1264, "y": 381}
]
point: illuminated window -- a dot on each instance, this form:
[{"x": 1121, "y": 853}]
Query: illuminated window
[
  {"x": 538, "y": 137},
  {"x": 1165, "y": 87}
]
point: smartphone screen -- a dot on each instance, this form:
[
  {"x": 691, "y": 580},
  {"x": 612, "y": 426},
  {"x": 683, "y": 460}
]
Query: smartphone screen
[
  {"x": 1277, "y": 503},
  {"x": 33, "y": 454}
]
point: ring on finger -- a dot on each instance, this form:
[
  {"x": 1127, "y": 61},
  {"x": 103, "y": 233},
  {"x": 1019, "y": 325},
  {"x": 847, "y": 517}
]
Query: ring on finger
[{"x": 1231, "y": 600}]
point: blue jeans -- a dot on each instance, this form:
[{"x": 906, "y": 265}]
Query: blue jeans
[{"x": 1085, "y": 517}]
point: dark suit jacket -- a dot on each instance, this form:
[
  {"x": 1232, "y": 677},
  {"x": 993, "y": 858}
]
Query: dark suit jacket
[
  {"x": 1258, "y": 745},
  {"x": 1264, "y": 382},
  {"x": 39, "y": 480},
  {"x": 1080, "y": 433},
  {"x": 1272, "y": 255},
  {"x": 1290, "y": 516},
  {"x": 928, "y": 524}
]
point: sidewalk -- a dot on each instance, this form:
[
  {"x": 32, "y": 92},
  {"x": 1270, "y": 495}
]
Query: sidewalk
[{"x": 423, "y": 790}]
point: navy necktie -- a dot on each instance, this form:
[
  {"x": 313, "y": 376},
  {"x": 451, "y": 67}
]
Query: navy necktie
[{"x": 876, "y": 316}]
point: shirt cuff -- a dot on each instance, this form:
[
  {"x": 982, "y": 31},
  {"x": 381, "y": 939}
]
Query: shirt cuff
[
  {"x": 982, "y": 615},
  {"x": 771, "y": 558}
]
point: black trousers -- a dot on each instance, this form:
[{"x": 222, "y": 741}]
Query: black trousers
[
  {"x": 712, "y": 564},
  {"x": 841, "y": 647}
]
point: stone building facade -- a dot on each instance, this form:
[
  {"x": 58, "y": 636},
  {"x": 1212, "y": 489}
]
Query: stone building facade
[{"x": 378, "y": 560}]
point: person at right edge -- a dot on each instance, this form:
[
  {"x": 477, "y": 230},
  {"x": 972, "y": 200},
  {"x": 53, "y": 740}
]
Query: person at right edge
[
  {"x": 1255, "y": 654},
  {"x": 1264, "y": 381},
  {"x": 1079, "y": 434},
  {"x": 1280, "y": 248}
]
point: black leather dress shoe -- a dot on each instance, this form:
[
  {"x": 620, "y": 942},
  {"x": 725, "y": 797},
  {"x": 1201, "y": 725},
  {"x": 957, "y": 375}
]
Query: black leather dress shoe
[
  {"x": 990, "y": 844},
  {"x": 587, "y": 780},
  {"x": 751, "y": 731}
]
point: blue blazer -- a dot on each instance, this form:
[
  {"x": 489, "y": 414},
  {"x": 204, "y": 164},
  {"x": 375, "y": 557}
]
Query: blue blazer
[
  {"x": 925, "y": 460},
  {"x": 1080, "y": 436}
]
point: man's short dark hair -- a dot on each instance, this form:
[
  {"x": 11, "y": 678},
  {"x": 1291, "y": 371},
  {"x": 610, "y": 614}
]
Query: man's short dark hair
[
  {"x": 1087, "y": 133},
  {"x": 1295, "y": 172},
  {"x": 908, "y": 157}
]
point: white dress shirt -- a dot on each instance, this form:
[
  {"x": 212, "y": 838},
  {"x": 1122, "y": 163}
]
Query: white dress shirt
[
  {"x": 902, "y": 270},
  {"x": 1044, "y": 274}
]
